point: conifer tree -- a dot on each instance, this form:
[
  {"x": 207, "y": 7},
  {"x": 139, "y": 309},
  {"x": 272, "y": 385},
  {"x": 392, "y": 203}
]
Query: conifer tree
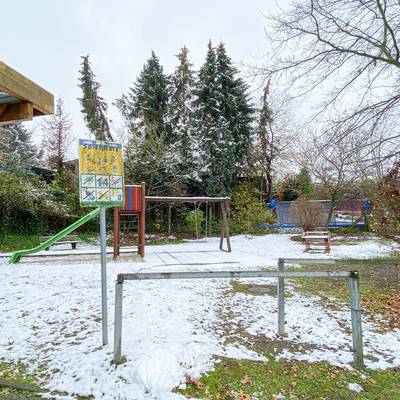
[
  {"x": 57, "y": 137},
  {"x": 183, "y": 151},
  {"x": 94, "y": 107},
  {"x": 234, "y": 104},
  {"x": 144, "y": 108},
  {"x": 216, "y": 138},
  {"x": 16, "y": 147}
]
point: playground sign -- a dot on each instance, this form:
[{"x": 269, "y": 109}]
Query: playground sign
[{"x": 101, "y": 180}]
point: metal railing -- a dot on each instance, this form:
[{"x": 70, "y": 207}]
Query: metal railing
[{"x": 281, "y": 274}]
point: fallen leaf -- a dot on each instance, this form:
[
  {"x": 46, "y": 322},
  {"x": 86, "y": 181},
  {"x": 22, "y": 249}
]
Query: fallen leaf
[
  {"x": 195, "y": 382},
  {"x": 246, "y": 379},
  {"x": 243, "y": 396}
]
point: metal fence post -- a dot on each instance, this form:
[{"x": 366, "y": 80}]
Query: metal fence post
[
  {"x": 118, "y": 320},
  {"x": 281, "y": 299},
  {"x": 356, "y": 329},
  {"x": 103, "y": 244}
]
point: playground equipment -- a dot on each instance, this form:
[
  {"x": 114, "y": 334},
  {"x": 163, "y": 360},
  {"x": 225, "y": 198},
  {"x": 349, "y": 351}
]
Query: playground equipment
[
  {"x": 281, "y": 274},
  {"x": 135, "y": 204},
  {"x": 222, "y": 201},
  {"x": 346, "y": 213},
  {"x": 16, "y": 256}
]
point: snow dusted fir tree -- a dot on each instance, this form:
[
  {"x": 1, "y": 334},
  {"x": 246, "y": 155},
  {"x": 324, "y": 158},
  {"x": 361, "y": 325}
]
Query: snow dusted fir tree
[
  {"x": 234, "y": 105},
  {"x": 144, "y": 109},
  {"x": 16, "y": 147},
  {"x": 183, "y": 151},
  {"x": 57, "y": 137},
  {"x": 223, "y": 119},
  {"x": 94, "y": 107}
]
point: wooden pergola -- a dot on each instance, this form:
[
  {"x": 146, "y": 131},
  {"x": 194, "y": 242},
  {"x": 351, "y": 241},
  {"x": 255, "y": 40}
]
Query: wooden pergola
[{"x": 20, "y": 98}]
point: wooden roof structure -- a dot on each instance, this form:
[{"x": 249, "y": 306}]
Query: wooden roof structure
[{"x": 20, "y": 98}]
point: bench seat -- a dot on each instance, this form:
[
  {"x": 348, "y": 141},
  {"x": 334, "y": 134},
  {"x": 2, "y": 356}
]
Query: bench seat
[
  {"x": 315, "y": 238},
  {"x": 73, "y": 240}
]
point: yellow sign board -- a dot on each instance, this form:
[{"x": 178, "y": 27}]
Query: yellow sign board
[{"x": 101, "y": 179}]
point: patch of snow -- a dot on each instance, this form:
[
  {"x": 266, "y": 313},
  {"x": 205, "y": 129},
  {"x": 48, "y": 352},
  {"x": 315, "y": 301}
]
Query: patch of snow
[
  {"x": 50, "y": 315},
  {"x": 355, "y": 387}
]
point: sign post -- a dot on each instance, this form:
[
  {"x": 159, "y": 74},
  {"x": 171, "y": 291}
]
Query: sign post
[{"x": 101, "y": 183}]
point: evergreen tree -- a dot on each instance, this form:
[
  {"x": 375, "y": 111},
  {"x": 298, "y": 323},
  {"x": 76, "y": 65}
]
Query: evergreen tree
[
  {"x": 297, "y": 186},
  {"x": 183, "y": 151},
  {"x": 57, "y": 137},
  {"x": 266, "y": 145},
  {"x": 220, "y": 157},
  {"x": 305, "y": 185},
  {"x": 217, "y": 140},
  {"x": 144, "y": 108},
  {"x": 234, "y": 104},
  {"x": 16, "y": 148},
  {"x": 94, "y": 107}
]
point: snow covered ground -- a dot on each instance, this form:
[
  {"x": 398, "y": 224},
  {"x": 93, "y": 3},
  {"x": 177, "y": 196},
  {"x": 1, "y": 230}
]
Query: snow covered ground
[{"x": 50, "y": 315}]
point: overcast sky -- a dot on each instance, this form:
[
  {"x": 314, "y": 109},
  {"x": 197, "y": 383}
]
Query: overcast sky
[{"x": 50, "y": 36}]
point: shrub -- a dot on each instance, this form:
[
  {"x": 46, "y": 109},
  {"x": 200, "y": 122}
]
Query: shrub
[
  {"x": 385, "y": 216},
  {"x": 248, "y": 211},
  {"x": 308, "y": 214},
  {"x": 27, "y": 205},
  {"x": 194, "y": 220}
]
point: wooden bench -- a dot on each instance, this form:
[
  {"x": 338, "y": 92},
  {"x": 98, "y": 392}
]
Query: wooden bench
[
  {"x": 73, "y": 240},
  {"x": 316, "y": 238}
]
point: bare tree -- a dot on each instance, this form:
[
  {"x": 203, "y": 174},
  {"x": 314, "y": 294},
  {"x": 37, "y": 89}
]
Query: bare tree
[
  {"x": 57, "y": 136},
  {"x": 332, "y": 166},
  {"x": 350, "y": 51}
]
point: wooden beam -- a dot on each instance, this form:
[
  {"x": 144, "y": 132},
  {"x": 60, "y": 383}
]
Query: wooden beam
[
  {"x": 17, "y": 85},
  {"x": 10, "y": 113}
]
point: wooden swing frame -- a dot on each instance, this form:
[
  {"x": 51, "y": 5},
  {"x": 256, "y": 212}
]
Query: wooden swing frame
[{"x": 139, "y": 209}]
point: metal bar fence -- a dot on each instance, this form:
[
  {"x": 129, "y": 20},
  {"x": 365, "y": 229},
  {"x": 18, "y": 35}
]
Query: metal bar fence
[{"x": 281, "y": 274}]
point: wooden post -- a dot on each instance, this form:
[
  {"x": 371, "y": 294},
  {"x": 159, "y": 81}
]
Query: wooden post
[
  {"x": 116, "y": 231},
  {"x": 228, "y": 240},
  {"x": 169, "y": 218},
  {"x": 142, "y": 221},
  {"x": 224, "y": 228}
]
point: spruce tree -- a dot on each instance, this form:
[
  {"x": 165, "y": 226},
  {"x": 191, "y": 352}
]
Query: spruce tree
[
  {"x": 183, "y": 151},
  {"x": 94, "y": 107},
  {"x": 217, "y": 141},
  {"x": 234, "y": 104},
  {"x": 144, "y": 108},
  {"x": 16, "y": 147},
  {"x": 305, "y": 185}
]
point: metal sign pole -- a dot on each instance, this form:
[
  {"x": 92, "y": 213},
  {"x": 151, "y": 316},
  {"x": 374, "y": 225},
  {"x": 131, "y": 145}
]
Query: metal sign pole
[{"x": 103, "y": 244}]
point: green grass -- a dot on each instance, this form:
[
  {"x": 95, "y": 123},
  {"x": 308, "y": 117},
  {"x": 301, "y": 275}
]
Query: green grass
[
  {"x": 251, "y": 380},
  {"x": 10, "y": 242},
  {"x": 17, "y": 375},
  {"x": 379, "y": 286}
]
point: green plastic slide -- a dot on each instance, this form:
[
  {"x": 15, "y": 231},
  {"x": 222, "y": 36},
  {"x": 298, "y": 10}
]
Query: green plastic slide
[{"x": 16, "y": 256}]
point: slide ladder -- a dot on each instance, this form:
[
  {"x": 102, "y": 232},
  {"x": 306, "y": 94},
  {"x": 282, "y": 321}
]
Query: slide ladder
[{"x": 16, "y": 256}]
